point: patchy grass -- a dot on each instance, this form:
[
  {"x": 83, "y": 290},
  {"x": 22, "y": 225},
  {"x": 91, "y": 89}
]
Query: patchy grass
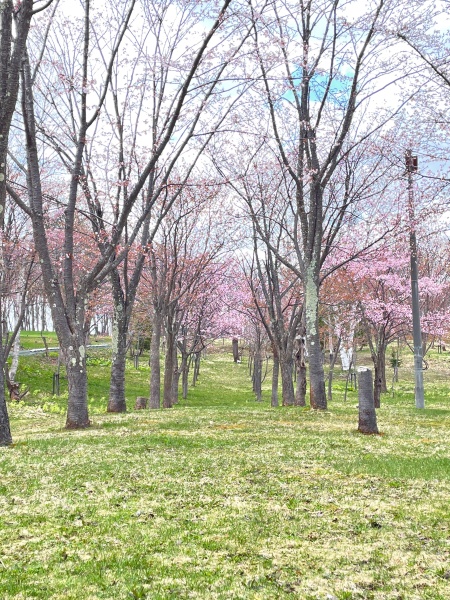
[{"x": 225, "y": 498}]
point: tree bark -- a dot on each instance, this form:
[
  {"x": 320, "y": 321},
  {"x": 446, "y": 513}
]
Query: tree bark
[
  {"x": 175, "y": 375},
  {"x": 155, "y": 365},
  {"x": 196, "y": 368},
  {"x": 257, "y": 374},
  {"x": 117, "y": 402},
  {"x": 367, "y": 415},
  {"x": 300, "y": 390},
  {"x": 235, "y": 346},
  {"x": 287, "y": 385},
  {"x": 168, "y": 369},
  {"x": 75, "y": 360},
  {"x": 275, "y": 376},
  {"x": 380, "y": 375},
  {"x": 184, "y": 375},
  {"x": 318, "y": 397},
  {"x": 333, "y": 358},
  {"x": 13, "y": 39},
  {"x": 5, "y": 431}
]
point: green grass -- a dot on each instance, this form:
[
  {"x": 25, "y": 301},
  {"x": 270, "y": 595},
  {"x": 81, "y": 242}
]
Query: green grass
[{"x": 222, "y": 497}]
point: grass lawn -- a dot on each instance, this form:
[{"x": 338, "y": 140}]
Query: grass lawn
[{"x": 222, "y": 497}]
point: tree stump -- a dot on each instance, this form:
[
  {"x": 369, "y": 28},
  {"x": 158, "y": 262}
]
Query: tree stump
[
  {"x": 141, "y": 403},
  {"x": 367, "y": 415}
]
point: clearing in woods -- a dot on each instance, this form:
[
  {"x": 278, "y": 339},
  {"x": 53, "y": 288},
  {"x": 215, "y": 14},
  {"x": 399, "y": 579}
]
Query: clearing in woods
[{"x": 222, "y": 497}]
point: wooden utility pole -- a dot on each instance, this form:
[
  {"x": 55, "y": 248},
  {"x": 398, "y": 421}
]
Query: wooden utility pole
[{"x": 411, "y": 168}]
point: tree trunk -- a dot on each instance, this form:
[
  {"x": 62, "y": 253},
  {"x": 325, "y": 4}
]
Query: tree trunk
[
  {"x": 275, "y": 375},
  {"x": 155, "y": 365},
  {"x": 257, "y": 375},
  {"x": 318, "y": 397},
  {"x": 382, "y": 371},
  {"x": 77, "y": 411},
  {"x": 196, "y": 368},
  {"x": 380, "y": 376},
  {"x": 333, "y": 358},
  {"x": 287, "y": 385},
  {"x": 176, "y": 375},
  {"x": 235, "y": 346},
  {"x": 15, "y": 357},
  {"x": 300, "y": 390},
  {"x": 300, "y": 364},
  {"x": 168, "y": 371},
  {"x": 117, "y": 403},
  {"x": 184, "y": 375},
  {"x": 367, "y": 415},
  {"x": 5, "y": 431}
]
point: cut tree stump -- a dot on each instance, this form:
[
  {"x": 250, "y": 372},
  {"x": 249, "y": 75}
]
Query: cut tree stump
[
  {"x": 367, "y": 415},
  {"x": 141, "y": 403}
]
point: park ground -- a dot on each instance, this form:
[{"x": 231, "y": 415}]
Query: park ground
[{"x": 225, "y": 498}]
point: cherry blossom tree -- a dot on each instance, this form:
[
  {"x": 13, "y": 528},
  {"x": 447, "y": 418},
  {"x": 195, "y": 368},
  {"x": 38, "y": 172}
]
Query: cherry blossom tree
[{"x": 69, "y": 100}]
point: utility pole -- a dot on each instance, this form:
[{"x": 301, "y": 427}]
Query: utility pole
[{"x": 411, "y": 167}]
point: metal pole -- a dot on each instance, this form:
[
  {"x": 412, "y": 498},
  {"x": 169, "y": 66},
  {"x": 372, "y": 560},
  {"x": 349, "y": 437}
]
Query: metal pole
[{"x": 411, "y": 167}]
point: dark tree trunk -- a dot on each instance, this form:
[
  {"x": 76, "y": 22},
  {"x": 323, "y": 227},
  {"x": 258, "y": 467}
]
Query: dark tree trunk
[
  {"x": 257, "y": 374},
  {"x": 117, "y": 403},
  {"x": 367, "y": 414},
  {"x": 275, "y": 375},
  {"x": 317, "y": 394},
  {"x": 5, "y": 431},
  {"x": 176, "y": 375},
  {"x": 380, "y": 375},
  {"x": 333, "y": 358},
  {"x": 235, "y": 346},
  {"x": 168, "y": 371},
  {"x": 287, "y": 385},
  {"x": 300, "y": 390},
  {"x": 155, "y": 365},
  {"x": 15, "y": 19},
  {"x": 382, "y": 371},
  {"x": 184, "y": 375},
  {"x": 316, "y": 373},
  {"x": 196, "y": 368}
]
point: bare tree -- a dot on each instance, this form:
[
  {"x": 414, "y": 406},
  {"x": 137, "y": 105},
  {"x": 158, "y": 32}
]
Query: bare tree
[
  {"x": 15, "y": 20},
  {"x": 68, "y": 301},
  {"x": 323, "y": 74}
]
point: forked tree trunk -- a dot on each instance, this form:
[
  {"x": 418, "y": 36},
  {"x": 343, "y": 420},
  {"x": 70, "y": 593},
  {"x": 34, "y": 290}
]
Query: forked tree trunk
[
  {"x": 116, "y": 403},
  {"x": 155, "y": 365}
]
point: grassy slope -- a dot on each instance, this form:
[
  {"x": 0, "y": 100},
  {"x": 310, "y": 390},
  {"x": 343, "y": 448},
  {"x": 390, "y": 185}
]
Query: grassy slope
[{"x": 224, "y": 498}]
